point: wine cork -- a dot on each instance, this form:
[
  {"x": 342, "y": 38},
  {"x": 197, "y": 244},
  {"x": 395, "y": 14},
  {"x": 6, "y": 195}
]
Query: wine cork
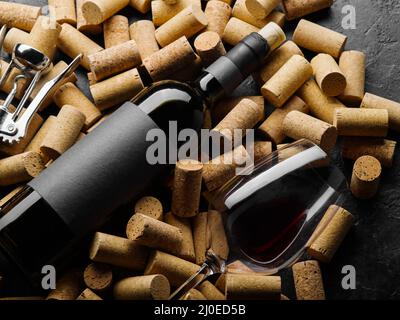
[
  {"x": 9, "y": 83},
  {"x": 190, "y": 72},
  {"x": 328, "y": 241},
  {"x": 37, "y": 140},
  {"x": 321, "y": 106},
  {"x": 221, "y": 109},
  {"x": 82, "y": 25},
  {"x": 91, "y": 79},
  {"x": 69, "y": 94},
  {"x": 44, "y": 35},
  {"x": 328, "y": 75},
  {"x": 375, "y": 102},
  {"x": 53, "y": 72},
  {"x": 238, "y": 266},
  {"x": 92, "y": 128},
  {"x": 187, "y": 248},
  {"x": 20, "y": 168},
  {"x": 245, "y": 115},
  {"x": 272, "y": 128},
  {"x": 298, "y": 8},
  {"x": 187, "y": 188},
  {"x": 142, "y": 6},
  {"x": 98, "y": 276},
  {"x": 64, "y": 132},
  {"x": 261, "y": 8},
  {"x": 64, "y": 11},
  {"x": 308, "y": 281},
  {"x": 322, "y": 224},
  {"x": 116, "y": 31},
  {"x": 261, "y": 149},
  {"x": 221, "y": 283},
  {"x": 352, "y": 63},
  {"x": 193, "y": 294},
  {"x": 163, "y": 63},
  {"x": 216, "y": 231},
  {"x": 117, "y": 89},
  {"x": 72, "y": 43},
  {"x": 118, "y": 252},
  {"x": 361, "y": 122},
  {"x": 114, "y": 60},
  {"x": 221, "y": 169},
  {"x": 319, "y": 39},
  {"x": 68, "y": 287},
  {"x": 218, "y": 14},
  {"x": 143, "y": 32},
  {"x": 149, "y": 206},
  {"x": 210, "y": 292},
  {"x": 153, "y": 287},
  {"x": 88, "y": 294},
  {"x": 252, "y": 287},
  {"x": 13, "y": 37},
  {"x": 273, "y": 35},
  {"x": 19, "y": 147},
  {"x": 240, "y": 11},
  {"x": 98, "y": 11},
  {"x": 209, "y": 47},
  {"x": 16, "y": 15},
  {"x": 236, "y": 30},
  {"x": 175, "y": 269},
  {"x": 7, "y": 198},
  {"x": 298, "y": 125},
  {"x": 381, "y": 149},
  {"x": 153, "y": 233},
  {"x": 162, "y": 12},
  {"x": 287, "y": 80},
  {"x": 366, "y": 177},
  {"x": 186, "y": 23},
  {"x": 200, "y": 237}
]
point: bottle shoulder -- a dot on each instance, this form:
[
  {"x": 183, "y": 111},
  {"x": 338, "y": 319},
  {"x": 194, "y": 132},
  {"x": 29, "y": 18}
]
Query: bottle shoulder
[
  {"x": 167, "y": 89},
  {"x": 170, "y": 100}
]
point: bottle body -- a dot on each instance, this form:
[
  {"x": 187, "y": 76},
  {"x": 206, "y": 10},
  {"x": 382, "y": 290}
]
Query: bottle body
[{"x": 78, "y": 192}]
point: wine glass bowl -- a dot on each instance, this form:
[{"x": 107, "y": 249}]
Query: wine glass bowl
[{"x": 272, "y": 208}]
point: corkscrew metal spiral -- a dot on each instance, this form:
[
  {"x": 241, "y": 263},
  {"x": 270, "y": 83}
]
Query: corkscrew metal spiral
[{"x": 31, "y": 65}]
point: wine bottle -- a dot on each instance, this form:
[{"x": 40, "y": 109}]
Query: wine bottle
[{"x": 108, "y": 168}]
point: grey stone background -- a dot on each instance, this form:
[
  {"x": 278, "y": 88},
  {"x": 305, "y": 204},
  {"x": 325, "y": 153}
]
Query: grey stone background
[{"x": 373, "y": 245}]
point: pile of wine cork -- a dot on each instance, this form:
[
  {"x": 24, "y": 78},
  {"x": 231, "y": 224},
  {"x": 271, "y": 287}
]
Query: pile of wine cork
[{"x": 164, "y": 242}]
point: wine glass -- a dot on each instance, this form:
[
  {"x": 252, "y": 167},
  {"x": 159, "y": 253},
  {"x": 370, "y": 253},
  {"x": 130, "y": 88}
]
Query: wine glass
[
  {"x": 272, "y": 212},
  {"x": 272, "y": 208}
]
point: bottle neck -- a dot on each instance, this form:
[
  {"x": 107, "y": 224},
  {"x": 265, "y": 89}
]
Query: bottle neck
[
  {"x": 210, "y": 89},
  {"x": 223, "y": 76}
]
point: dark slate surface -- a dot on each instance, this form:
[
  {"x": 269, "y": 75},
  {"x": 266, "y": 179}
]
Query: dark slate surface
[{"x": 373, "y": 245}]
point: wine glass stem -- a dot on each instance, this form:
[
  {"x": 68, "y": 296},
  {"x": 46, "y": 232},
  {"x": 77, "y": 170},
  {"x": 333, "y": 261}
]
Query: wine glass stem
[{"x": 186, "y": 286}]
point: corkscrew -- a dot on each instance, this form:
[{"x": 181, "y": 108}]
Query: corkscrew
[
  {"x": 213, "y": 265},
  {"x": 31, "y": 65}
]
